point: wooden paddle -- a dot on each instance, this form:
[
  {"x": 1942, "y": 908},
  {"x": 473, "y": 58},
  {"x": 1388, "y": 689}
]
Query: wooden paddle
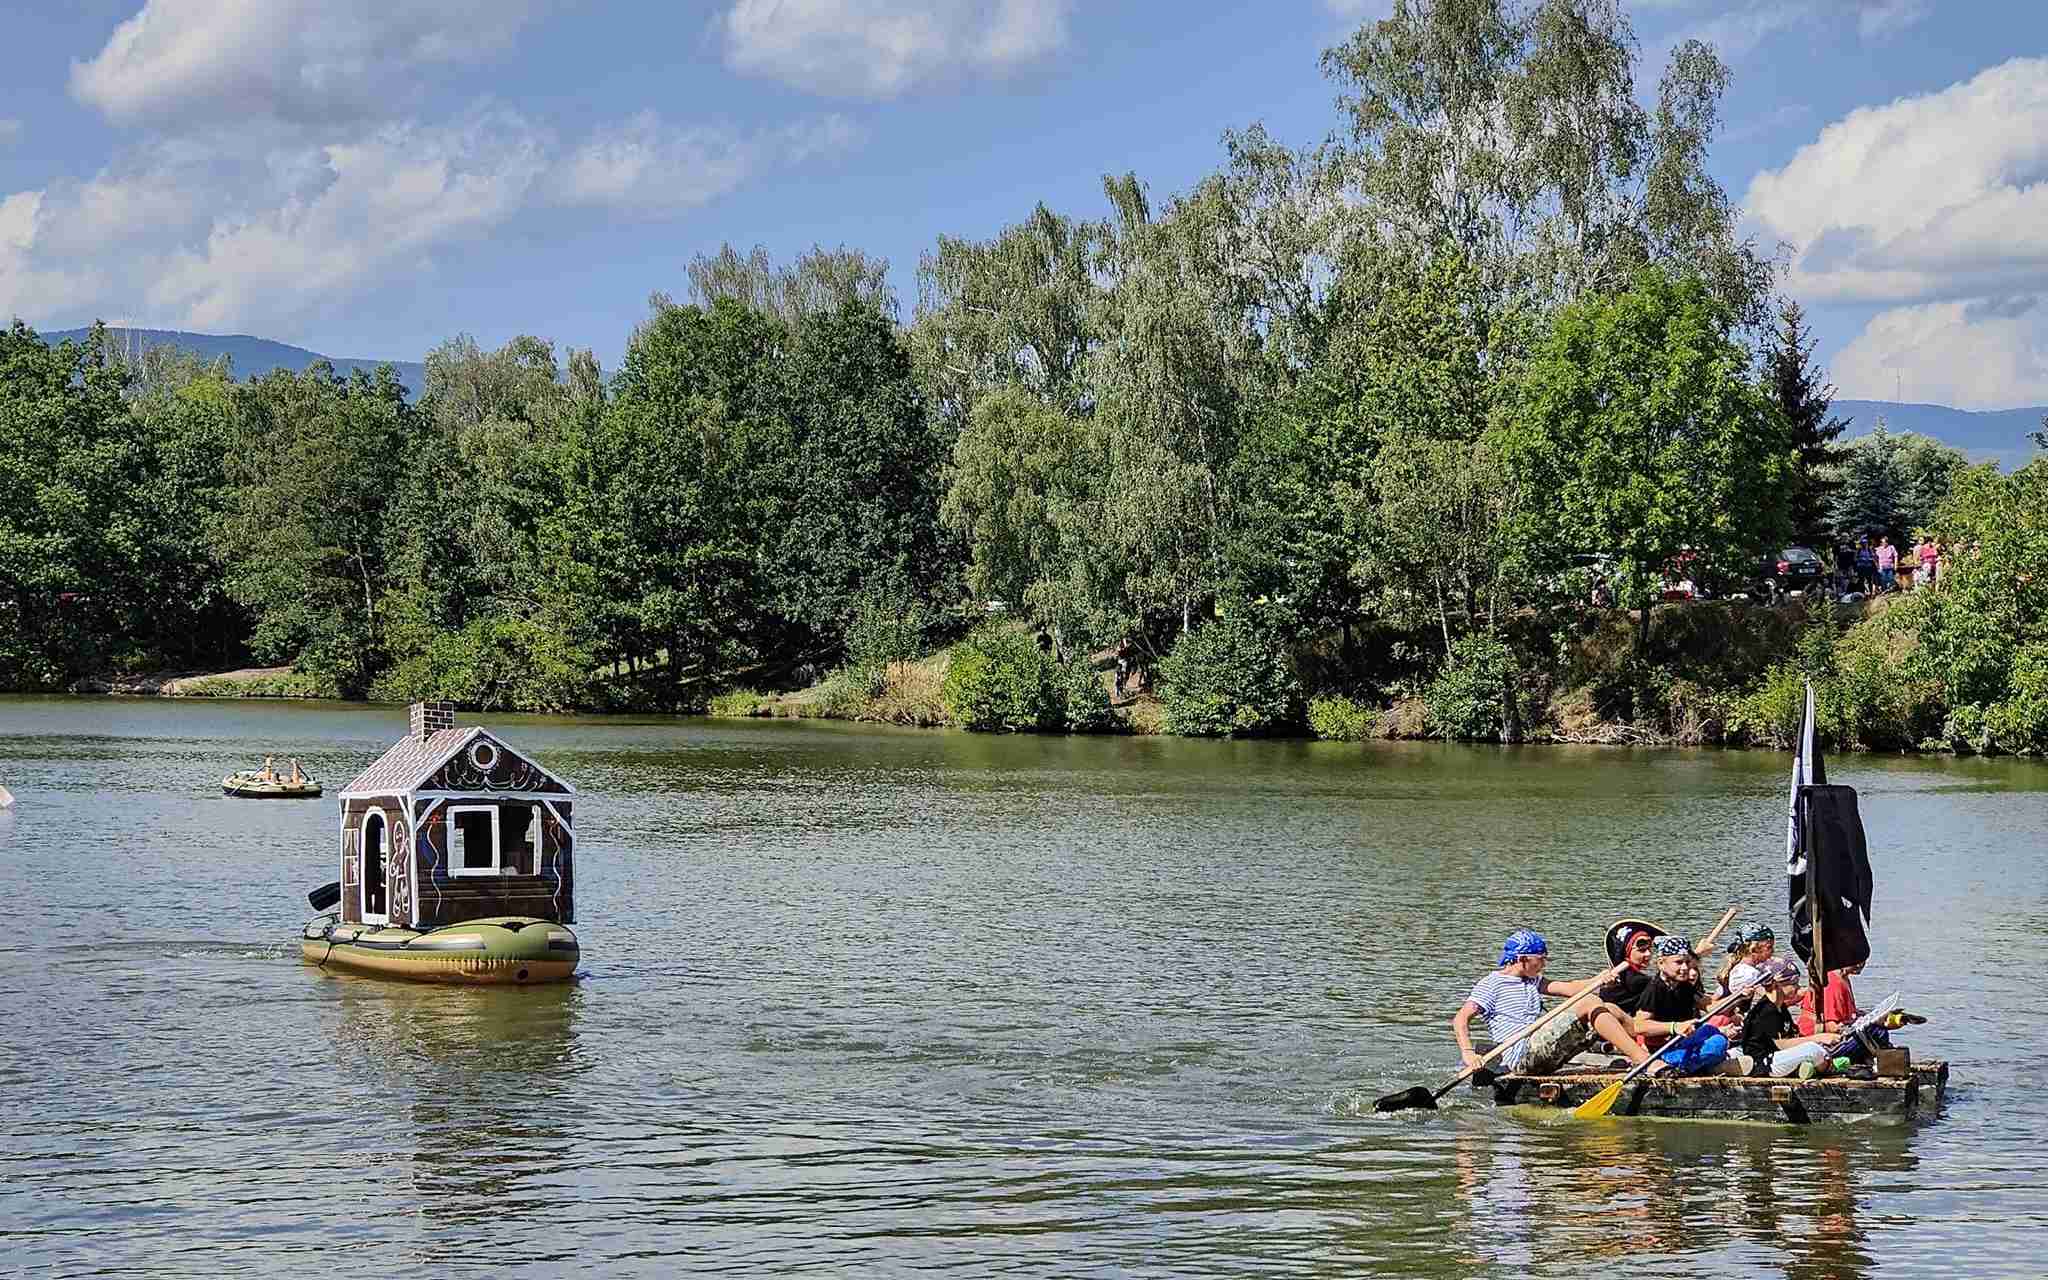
[
  {"x": 1603, "y": 1102},
  {"x": 1706, "y": 944},
  {"x": 1419, "y": 1096}
]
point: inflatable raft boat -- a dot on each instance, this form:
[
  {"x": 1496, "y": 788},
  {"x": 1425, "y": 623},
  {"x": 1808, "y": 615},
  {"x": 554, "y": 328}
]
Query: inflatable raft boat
[
  {"x": 249, "y": 786},
  {"x": 498, "y": 949}
]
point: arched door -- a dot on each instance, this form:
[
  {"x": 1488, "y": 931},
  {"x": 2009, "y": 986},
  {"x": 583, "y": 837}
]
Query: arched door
[{"x": 376, "y": 849}]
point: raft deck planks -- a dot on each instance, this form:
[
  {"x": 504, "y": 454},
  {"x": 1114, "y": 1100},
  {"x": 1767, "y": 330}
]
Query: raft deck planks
[{"x": 1734, "y": 1097}]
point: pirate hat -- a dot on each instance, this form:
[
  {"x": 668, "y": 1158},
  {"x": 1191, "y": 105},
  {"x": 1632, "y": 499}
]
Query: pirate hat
[{"x": 1622, "y": 930}]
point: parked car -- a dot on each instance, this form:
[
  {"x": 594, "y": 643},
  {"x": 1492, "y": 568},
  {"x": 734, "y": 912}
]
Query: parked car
[{"x": 1793, "y": 571}]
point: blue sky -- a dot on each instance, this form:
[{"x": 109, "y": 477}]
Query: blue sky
[{"x": 367, "y": 179}]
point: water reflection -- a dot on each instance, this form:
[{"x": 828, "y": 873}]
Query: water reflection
[{"x": 471, "y": 1087}]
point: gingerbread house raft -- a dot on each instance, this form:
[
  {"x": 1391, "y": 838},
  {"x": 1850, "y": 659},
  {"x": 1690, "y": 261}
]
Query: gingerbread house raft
[{"x": 457, "y": 863}]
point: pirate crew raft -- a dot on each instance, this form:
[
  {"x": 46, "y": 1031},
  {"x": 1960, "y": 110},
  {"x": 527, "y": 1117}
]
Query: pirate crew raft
[{"x": 457, "y": 864}]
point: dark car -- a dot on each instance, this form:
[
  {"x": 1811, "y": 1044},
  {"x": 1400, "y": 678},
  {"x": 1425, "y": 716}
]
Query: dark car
[{"x": 1793, "y": 571}]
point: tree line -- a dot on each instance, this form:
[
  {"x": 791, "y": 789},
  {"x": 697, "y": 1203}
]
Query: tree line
[{"x": 1360, "y": 403}]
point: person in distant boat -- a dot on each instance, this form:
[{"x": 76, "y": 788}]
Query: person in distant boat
[
  {"x": 298, "y": 774},
  {"x": 1746, "y": 955},
  {"x": 1770, "y": 1032},
  {"x": 269, "y": 770},
  {"x": 1669, "y": 1009},
  {"x": 1510, "y": 998}
]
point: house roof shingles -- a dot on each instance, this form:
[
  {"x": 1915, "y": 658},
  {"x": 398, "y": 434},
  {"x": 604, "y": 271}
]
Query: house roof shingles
[{"x": 410, "y": 762}]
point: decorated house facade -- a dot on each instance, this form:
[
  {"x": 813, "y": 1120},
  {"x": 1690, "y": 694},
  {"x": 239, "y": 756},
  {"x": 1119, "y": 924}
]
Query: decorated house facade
[{"x": 453, "y": 824}]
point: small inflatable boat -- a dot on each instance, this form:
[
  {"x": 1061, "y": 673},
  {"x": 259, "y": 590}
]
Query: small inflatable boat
[
  {"x": 249, "y": 785},
  {"x": 498, "y": 949}
]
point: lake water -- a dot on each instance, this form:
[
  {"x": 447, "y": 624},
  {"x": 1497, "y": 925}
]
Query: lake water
[{"x": 879, "y": 1003}]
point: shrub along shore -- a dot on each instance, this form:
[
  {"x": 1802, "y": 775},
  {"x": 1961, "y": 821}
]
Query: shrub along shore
[
  {"x": 1327, "y": 454},
  {"x": 1723, "y": 674}
]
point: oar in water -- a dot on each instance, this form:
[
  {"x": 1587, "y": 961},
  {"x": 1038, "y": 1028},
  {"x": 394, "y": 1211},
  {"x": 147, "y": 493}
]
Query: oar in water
[
  {"x": 1603, "y": 1102},
  {"x": 1420, "y": 1096}
]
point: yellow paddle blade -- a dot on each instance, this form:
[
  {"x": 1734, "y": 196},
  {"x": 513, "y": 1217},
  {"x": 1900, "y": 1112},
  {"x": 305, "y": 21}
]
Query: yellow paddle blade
[{"x": 1599, "y": 1104}]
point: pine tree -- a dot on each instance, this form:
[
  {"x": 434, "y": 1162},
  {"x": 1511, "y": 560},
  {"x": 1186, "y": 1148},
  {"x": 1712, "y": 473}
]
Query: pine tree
[{"x": 1796, "y": 387}]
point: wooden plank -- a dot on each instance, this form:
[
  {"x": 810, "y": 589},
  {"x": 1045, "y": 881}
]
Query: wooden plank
[{"x": 1735, "y": 1097}]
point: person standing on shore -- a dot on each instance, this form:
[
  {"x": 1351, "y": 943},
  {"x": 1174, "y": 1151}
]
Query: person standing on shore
[{"x": 1887, "y": 563}]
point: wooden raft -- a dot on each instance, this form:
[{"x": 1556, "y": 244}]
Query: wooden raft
[{"x": 1822, "y": 1101}]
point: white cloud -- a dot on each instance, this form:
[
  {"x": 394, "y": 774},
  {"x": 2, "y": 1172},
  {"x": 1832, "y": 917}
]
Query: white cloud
[
  {"x": 1935, "y": 209},
  {"x": 204, "y": 235},
  {"x": 1943, "y": 196},
  {"x": 306, "y": 61},
  {"x": 10, "y": 131},
  {"x": 1989, "y": 355},
  {"x": 1876, "y": 18},
  {"x": 881, "y": 48},
  {"x": 646, "y": 166}
]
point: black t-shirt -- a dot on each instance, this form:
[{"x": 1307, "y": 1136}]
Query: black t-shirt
[
  {"x": 1667, "y": 1003},
  {"x": 1766, "y": 1021},
  {"x": 1626, "y": 992}
]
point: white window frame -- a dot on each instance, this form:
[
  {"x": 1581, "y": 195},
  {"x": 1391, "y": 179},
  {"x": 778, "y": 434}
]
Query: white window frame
[
  {"x": 455, "y": 867},
  {"x": 363, "y": 881}
]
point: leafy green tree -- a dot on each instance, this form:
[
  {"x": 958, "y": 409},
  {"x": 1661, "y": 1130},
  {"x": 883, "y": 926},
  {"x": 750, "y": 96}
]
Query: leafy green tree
[
  {"x": 1019, "y": 484},
  {"x": 848, "y": 471},
  {"x": 1639, "y": 432},
  {"x": 71, "y": 522},
  {"x": 316, "y": 463},
  {"x": 1018, "y": 310},
  {"x": 1229, "y": 678},
  {"x": 1799, "y": 393},
  {"x": 1892, "y": 483},
  {"x": 1512, "y": 131},
  {"x": 1991, "y": 600},
  {"x": 818, "y": 283}
]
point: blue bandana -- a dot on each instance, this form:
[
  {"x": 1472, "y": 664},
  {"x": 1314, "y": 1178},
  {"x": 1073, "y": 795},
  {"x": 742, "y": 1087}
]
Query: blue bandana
[{"x": 1523, "y": 942}]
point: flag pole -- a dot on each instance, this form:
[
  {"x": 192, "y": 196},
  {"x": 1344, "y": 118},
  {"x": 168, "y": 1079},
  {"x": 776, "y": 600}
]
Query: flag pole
[{"x": 1820, "y": 969}]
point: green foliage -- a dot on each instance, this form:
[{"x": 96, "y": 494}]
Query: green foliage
[
  {"x": 1474, "y": 697},
  {"x": 1801, "y": 397},
  {"x": 2019, "y": 722},
  {"x": 890, "y": 624},
  {"x": 1639, "y": 433},
  {"x": 501, "y": 663},
  {"x": 1085, "y": 705},
  {"x": 1339, "y": 719},
  {"x": 1892, "y": 483},
  {"x": 1000, "y": 681},
  {"x": 1229, "y": 678},
  {"x": 735, "y": 703},
  {"x": 290, "y": 684},
  {"x": 1771, "y": 714}
]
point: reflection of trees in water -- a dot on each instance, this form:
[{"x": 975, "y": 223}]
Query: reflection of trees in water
[{"x": 474, "y": 1083}]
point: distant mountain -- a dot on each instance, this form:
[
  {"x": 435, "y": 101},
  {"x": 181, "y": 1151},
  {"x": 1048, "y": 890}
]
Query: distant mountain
[
  {"x": 252, "y": 357},
  {"x": 1992, "y": 435}
]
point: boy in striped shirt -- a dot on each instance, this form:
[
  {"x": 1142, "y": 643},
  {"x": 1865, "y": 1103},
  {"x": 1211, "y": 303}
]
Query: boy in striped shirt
[{"x": 1511, "y": 998}]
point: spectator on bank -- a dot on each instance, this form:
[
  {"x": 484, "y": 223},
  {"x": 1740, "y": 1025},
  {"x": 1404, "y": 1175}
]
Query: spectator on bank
[
  {"x": 1866, "y": 564},
  {"x": 1887, "y": 563}
]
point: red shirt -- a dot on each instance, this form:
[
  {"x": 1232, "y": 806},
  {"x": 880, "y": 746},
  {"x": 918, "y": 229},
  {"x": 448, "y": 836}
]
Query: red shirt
[{"x": 1838, "y": 1003}]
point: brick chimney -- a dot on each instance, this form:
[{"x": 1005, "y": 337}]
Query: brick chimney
[{"x": 431, "y": 717}]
